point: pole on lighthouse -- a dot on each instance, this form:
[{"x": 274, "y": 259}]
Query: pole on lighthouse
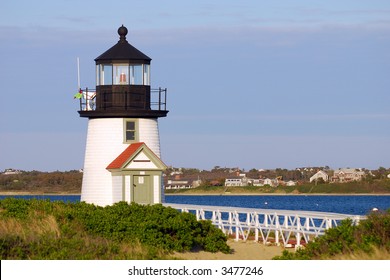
[{"x": 78, "y": 73}]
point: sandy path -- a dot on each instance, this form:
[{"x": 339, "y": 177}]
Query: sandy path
[{"x": 248, "y": 250}]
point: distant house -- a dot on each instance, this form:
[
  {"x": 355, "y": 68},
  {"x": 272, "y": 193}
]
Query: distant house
[
  {"x": 258, "y": 182},
  {"x": 271, "y": 182},
  {"x": 178, "y": 184},
  {"x": 291, "y": 183},
  {"x": 240, "y": 181},
  {"x": 347, "y": 175},
  {"x": 234, "y": 182},
  {"x": 244, "y": 181},
  {"x": 11, "y": 171},
  {"x": 320, "y": 175}
]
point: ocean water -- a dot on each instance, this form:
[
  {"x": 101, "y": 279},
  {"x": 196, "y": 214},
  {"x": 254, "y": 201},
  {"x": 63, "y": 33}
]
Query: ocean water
[{"x": 345, "y": 204}]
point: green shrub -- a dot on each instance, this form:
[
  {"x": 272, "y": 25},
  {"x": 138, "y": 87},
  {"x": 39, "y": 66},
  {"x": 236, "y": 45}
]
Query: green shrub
[
  {"x": 347, "y": 238},
  {"x": 86, "y": 231},
  {"x": 153, "y": 225},
  {"x": 212, "y": 239},
  {"x": 14, "y": 208}
]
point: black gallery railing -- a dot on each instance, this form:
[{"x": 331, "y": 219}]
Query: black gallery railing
[{"x": 90, "y": 100}]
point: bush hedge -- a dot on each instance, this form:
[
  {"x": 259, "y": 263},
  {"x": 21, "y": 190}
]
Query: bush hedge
[
  {"x": 370, "y": 235},
  {"x": 157, "y": 229}
]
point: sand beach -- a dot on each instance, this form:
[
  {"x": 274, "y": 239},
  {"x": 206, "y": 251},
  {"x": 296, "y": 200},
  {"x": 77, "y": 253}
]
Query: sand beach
[{"x": 242, "y": 250}]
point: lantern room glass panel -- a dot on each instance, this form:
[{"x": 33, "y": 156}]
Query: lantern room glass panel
[
  {"x": 136, "y": 75},
  {"x": 146, "y": 74},
  {"x": 121, "y": 74},
  {"x": 104, "y": 76}
]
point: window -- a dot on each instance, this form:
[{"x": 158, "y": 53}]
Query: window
[
  {"x": 136, "y": 74},
  {"x": 121, "y": 74},
  {"x": 130, "y": 131},
  {"x": 105, "y": 77},
  {"x": 146, "y": 74}
]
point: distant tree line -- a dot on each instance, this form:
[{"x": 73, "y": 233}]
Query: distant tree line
[
  {"x": 45, "y": 182},
  {"x": 302, "y": 175},
  {"x": 70, "y": 181}
]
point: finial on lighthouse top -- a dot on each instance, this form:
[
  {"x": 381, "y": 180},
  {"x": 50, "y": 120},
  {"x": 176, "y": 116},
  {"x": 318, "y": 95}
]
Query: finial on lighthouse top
[{"x": 122, "y": 31}]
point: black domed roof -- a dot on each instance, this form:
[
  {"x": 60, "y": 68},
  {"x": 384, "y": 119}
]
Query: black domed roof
[{"x": 123, "y": 51}]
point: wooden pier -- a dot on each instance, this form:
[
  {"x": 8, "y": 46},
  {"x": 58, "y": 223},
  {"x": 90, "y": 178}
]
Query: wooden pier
[{"x": 282, "y": 227}]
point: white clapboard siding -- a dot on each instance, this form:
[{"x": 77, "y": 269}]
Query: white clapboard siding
[
  {"x": 148, "y": 133},
  {"x": 117, "y": 191},
  {"x": 157, "y": 189}
]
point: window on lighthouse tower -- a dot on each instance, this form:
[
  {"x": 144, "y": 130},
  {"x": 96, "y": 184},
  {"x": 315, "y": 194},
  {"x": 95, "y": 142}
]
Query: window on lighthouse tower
[
  {"x": 121, "y": 74},
  {"x": 136, "y": 74},
  {"x": 130, "y": 131},
  {"x": 104, "y": 74},
  {"x": 146, "y": 74}
]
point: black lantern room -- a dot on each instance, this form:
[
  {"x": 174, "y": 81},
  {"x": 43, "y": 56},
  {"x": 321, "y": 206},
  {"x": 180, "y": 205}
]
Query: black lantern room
[{"x": 123, "y": 85}]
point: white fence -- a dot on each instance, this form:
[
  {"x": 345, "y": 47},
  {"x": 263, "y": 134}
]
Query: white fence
[{"x": 267, "y": 225}]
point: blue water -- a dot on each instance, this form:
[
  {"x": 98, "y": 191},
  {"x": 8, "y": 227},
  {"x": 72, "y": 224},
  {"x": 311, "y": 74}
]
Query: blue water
[{"x": 346, "y": 204}]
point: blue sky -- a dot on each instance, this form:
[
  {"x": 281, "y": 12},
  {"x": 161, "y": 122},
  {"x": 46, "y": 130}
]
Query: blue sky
[{"x": 251, "y": 84}]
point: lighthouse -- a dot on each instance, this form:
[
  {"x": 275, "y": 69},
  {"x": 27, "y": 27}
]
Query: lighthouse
[{"x": 122, "y": 156}]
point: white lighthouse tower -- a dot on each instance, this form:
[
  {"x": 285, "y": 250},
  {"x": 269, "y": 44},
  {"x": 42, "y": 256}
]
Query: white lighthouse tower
[{"x": 122, "y": 158}]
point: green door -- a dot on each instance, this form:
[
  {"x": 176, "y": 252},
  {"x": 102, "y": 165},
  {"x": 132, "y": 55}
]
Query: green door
[{"x": 142, "y": 189}]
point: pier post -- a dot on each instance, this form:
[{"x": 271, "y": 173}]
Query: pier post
[
  {"x": 237, "y": 222},
  {"x": 256, "y": 227},
  {"x": 277, "y": 230}
]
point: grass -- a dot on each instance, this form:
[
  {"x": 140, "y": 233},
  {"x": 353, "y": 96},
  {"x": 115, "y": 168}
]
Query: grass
[
  {"x": 42, "y": 237},
  {"x": 375, "y": 254}
]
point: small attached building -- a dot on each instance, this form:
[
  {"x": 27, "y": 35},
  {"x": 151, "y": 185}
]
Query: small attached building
[{"x": 137, "y": 175}]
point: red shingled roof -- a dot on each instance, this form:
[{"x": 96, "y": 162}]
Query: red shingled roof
[{"x": 124, "y": 156}]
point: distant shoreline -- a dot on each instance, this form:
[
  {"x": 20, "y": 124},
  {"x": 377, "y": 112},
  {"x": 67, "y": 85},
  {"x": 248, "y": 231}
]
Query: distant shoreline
[
  {"x": 36, "y": 193},
  {"x": 279, "y": 194},
  {"x": 210, "y": 194}
]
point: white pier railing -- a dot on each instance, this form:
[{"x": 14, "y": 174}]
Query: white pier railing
[{"x": 267, "y": 225}]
